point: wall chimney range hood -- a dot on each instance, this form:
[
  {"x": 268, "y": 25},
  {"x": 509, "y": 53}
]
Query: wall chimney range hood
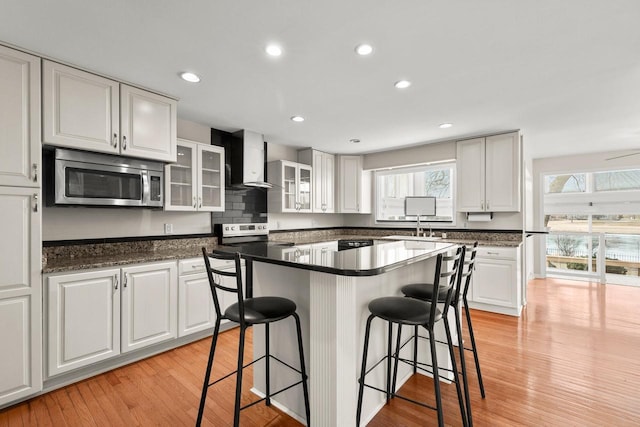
[{"x": 248, "y": 159}]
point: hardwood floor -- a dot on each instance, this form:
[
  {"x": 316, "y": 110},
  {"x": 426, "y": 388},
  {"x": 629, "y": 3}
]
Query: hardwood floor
[{"x": 572, "y": 359}]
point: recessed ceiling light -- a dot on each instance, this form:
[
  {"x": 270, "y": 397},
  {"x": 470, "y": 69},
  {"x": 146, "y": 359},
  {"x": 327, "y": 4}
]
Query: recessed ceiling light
[
  {"x": 190, "y": 77},
  {"x": 446, "y": 125},
  {"x": 402, "y": 84},
  {"x": 273, "y": 50},
  {"x": 297, "y": 119},
  {"x": 354, "y": 140},
  {"x": 364, "y": 49}
]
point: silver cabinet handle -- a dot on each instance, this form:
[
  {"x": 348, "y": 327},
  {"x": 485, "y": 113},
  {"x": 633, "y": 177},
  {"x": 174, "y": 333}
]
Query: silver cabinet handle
[
  {"x": 35, "y": 202},
  {"x": 199, "y": 202},
  {"x": 487, "y": 205},
  {"x": 493, "y": 253},
  {"x": 115, "y": 278},
  {"x": 124, "y": 283},
  {"x": 115, "y": 140},
  {"x": 197, "y": 266},
  {"x": 35, "y": 172},
  {"x": 195, "y": 205},
  {"x": 124, "y": 142},
  {"x": 481, "y": 206}
]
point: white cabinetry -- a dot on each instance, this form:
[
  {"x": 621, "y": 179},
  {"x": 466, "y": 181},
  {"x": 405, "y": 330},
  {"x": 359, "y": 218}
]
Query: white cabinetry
[
  {"x": 20, "y": 226},
  {"x": 323, "y": 192},
  {"x": 197, "y": 181},
  {"x": 489, "y": 174},
  {"x": 149, "y": 304},
  {"x": 19, "y": 118},
  {"x": 497, "y": 281},
  {"x": 20, "y": 294},
  {"x": 83, "y": 319},
  {"x": 195, "y": 303},
  {"x": 89, "y": 112},
  {"x": 95, "y": 315},
  {"x": 354, "y": 186},
  {"x": 292, "y": 185}
]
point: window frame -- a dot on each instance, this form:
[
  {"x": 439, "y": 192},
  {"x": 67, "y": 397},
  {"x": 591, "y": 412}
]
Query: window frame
[{"x": 447, "y": 164}]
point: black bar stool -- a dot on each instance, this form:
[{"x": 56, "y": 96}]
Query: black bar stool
[
  {"x": 249, "y": 312},
  {"x": 424, "y": 291},
  {"x": 470, "y": 263},
  {"x": 413, "y": 312}
]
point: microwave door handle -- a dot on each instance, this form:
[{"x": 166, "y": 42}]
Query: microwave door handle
[{"x": 146, "y": 188}]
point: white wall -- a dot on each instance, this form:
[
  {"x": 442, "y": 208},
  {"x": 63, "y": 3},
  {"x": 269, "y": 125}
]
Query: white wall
[
  {"x": 578, "y": 162},
  {"x": 72, "y": 223}
]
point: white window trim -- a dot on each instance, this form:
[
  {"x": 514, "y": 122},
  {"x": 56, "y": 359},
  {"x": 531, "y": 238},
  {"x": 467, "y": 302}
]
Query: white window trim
[{"x": 409, "y": 169}]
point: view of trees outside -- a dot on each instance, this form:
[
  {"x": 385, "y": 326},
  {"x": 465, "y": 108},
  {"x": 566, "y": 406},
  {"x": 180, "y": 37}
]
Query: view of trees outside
[
  {"x": 574, "y": 242},
  {"x": 394, "y": 186}
]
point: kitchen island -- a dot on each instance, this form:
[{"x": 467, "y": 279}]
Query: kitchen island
[{"x": 332, "y": 290}]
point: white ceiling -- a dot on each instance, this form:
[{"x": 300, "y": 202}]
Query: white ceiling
[{"x": 565, "y": 72}]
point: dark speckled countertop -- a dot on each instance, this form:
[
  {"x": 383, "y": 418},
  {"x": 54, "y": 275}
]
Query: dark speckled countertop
[
  {"x": 56, "y": 259},
  {"x": 64, "y": 258}
]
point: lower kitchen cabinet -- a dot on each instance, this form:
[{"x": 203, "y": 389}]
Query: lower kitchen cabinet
[
  {"x": 83, "y": 319},
  {"x": 149, "y": 304},
  {"x": 95, "y": 315},
  {"x": 195, "y": 304},
  {"x": 497, "y": 281},
  {"x": 20, "y": 293}
]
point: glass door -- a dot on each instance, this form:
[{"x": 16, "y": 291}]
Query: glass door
[
  {"x": 211, "y": 187},
  {"x": 181, "y": 179},
  {"x": 304, "y": 191},
  {"x": 290, "y": 187}
]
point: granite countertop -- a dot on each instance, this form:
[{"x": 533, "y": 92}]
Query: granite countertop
[
  {"x": 63, "y": 257},
  {"x": 460, "y": 241},
  {"x": 383, "y": 256},
  {"x": 58, "y": 259}
]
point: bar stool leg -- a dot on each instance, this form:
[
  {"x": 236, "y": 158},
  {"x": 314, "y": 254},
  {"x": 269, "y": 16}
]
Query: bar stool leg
[
  {"x": 236, "y": 411},
  {"x": 267, "y": 363},
  {"x": 463, "y": 364},
  {"x": 205, "y": 387},
  {"x": 436, "y": 377},
  {"x": 395, "y": 368},
  {"x": 415, "y": 350},
  {"x": 303, "y": 369},
  {"x": 363, "y": 369},
  {"x": 454, "y": 368},
  {"x": 473, "y": 347},
  {"x": 389, "y": 356}
]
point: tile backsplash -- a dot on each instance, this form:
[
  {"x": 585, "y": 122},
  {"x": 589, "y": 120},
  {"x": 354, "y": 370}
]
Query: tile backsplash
[{"x": 242, "y": 205}]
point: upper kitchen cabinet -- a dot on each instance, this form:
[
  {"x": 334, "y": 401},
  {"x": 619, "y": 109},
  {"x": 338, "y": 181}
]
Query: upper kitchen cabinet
[
  {"x": 148, "y": 123},
  {"x": 19, "y": 118},
  {"x": 323, "y": 166},
  {"x": 196, "y": 182},
  {"x": 354, "y": 186},
  {"x": 89, "y": 112},
  {"x": 489, "y": 174},
  {"x": 292, "y": 185}
]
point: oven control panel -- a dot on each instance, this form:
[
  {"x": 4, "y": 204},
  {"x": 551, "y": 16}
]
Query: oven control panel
[{"x": 231, "y": 230}]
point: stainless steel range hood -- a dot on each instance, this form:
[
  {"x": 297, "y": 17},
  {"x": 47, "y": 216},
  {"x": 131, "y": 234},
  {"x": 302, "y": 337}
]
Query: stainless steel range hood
[{"x": 248, "y": 159}]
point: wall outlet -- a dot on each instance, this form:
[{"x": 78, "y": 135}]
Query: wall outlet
[{"x": 168, "y": 228}]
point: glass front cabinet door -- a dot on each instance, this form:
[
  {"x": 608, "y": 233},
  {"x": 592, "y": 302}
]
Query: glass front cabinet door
[{"x": 196, "y": 181}]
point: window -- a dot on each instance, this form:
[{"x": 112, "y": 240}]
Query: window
[
  {"x": 573, "y": 183},
  {"x": 617, "y": 180},
  {"x": 394, "y": 185}
]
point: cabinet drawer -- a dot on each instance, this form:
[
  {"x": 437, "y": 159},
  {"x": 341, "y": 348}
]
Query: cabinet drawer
[
  {"x": 495, "y": 252},
  {"x": 191, "y": 266}
]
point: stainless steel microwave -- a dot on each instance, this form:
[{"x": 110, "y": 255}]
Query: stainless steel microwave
[{"x": 90, "y": 179}]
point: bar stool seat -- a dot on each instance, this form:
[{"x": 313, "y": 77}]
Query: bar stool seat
[
  {"x": 261, "y": 310},
  {"x": 422, "y": 291},
  {"x": 400, "y": 309}
]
